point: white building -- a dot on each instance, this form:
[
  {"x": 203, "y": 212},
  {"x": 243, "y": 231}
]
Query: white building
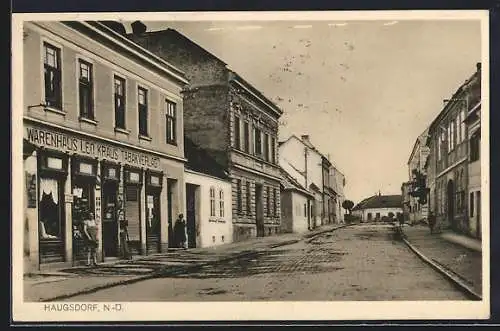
[
  {"x": 208, "y": 200},
  {"x": 296, "y": 204},
  {"x": 301, "y": 160},
  {"x": 416, "y": 162},
  {"x": 377, "y": 207},
  {"x": 473, "y": 121}
]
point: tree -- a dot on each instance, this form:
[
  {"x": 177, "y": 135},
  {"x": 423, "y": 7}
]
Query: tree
[
  {"x": 348, "y": 205},
  {"x": 418, "y": 187}
]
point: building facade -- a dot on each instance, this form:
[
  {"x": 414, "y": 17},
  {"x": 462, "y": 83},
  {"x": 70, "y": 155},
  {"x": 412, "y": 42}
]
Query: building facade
[
  {"x": 337, "y": 183},
  {"x": 299, "y": 158},
  {"x": 449, "y": 159},
  {"x": 296, "y": 204},
  {"x": 208, "y": 199},
  {"x": 102, "y": 118},
  {"x": 414, "y": 210},
  {"x": 379, "y": 207},
  {"x": 234, "y": 122}
]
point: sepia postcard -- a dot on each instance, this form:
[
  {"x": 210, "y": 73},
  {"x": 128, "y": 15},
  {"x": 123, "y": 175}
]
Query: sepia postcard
[{"x": 279, "y": 166}]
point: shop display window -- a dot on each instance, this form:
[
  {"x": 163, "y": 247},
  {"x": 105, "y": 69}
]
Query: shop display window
[{"x": 50, "y": 221}]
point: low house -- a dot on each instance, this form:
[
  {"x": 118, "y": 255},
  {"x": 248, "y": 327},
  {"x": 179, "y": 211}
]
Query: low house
[
  {"x": 378, "y": 207},
  {"x": 208, "y": 199},
  {"x": 296, "y": 204}
]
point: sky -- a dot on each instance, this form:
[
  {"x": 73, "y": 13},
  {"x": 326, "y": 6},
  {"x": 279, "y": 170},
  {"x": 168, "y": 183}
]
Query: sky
[{"x": 362, "y": 90}]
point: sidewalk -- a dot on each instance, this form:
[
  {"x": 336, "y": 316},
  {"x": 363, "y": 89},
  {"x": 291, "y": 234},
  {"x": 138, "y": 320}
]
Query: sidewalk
[
  {"x": 456, "y": 253},
  {"x": 67, "y": 282}
]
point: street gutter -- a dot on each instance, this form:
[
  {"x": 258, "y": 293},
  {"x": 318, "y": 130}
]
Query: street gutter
[{"x": 457, "y": 282}]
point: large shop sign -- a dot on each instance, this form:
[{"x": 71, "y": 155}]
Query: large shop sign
[{"x": 67, "y": 143}]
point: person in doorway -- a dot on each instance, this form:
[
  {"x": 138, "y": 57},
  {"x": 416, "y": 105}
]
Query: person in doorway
[
  {"x": 90, "y": 236},
  {"x": 123, "y": 235},
  {"x": 180, "y": 231}
]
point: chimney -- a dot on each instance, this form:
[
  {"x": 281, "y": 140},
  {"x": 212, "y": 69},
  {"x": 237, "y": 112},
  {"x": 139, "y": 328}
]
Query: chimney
[
  {"x": 305, "y": 138},
  {"x": 478, "y": 66},
  {"x": 138, "y": 28}
]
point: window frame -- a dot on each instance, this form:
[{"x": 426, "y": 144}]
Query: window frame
[
  {"x": 237, "y": 132},
  {"x": 212, "y": 202},
  {"x": 257, "y": 132},
  {"x": 221, "y": 203},
  {"x": 246, "y": 135},
  {"x": 144, "y": 108},
  {"x": 58, "y": 102},
  {"x": 172, "y": 137},
  {"x": 89, "y": 113},
  {"x": 116, "y": 96}
]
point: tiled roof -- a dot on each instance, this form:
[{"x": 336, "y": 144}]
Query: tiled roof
[
  {"x": 380, "y": 201},
  {"x": 290, "y": 183}
]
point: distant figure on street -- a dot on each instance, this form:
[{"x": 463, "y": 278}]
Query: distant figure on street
[
  {"x": 432, "y": 221},
  {"x": 180, "y": 231},
  {"x": 122, "y": 223}
]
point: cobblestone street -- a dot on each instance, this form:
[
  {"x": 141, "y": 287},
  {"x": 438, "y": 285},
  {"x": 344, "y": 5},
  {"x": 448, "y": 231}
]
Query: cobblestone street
[{"x": 363, "y": 262}]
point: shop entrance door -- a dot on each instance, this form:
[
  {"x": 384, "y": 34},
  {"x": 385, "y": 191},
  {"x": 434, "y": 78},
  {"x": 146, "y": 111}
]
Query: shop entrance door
[
  {"x": 191, "y": 214},
  {"x": 51, "y": 221},
  {"x": 83, "y": 203},
  {"x": 109, "y": 219},
  {"x": 153, "y": 223}
]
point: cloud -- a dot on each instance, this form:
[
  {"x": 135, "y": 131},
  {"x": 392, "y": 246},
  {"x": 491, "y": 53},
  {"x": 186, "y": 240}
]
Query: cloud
[
  {"x": 249, "y": 27},
  {"x": 337, "y": 24},
  {"x": 214, "y": 29},
  {"x": 302, "y": 26},
  {"x": 391, "y": 23}
]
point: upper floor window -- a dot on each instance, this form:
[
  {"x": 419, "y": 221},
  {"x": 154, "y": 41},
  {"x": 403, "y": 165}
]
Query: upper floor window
[
  {"x": 257, "y": 142},
  {"x": 273, "y": 150},
  {"x": 52, "y": 76},
  {"x": 266, "y": 147},
  {"x": 170, "y": 113},
  {"x": 246, "y": 137},
  {"x": 237, "y": 133},
  {"x": 119, "y": 102},
  {"x": 142, "y": 99},
  {"x": 462, "y": 124},
  {"x": 475, "y": 146},
  {"x": 221, "y": 203},
  {"x": 212, "y": 201},
  {"x": 85, "y": 90}
]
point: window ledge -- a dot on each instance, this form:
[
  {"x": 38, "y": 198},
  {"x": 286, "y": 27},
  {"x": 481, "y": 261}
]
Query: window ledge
[
  {"x": 173, "y": 143},
  {"x": 55, "y": 110},
  {"x": 120, "y": 130},
  {"x": 87, "y": 120},
  {"x": 143, "y": 137}
]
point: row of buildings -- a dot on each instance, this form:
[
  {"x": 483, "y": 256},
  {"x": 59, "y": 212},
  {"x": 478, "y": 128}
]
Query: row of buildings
[
  {"x": 142, "y": 127},
  {"x": 448, "y": 156}
]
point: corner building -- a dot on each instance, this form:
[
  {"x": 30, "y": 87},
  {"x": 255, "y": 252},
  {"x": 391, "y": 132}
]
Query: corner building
[
  {"x": 234, "y": 122},
  {"x": 103, "y": 132}
]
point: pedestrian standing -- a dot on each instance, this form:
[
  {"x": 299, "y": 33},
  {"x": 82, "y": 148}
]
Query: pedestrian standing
[
  {"x": 90, "y": 236},
  {"x": 180, "y": 231},
  {"x": 122, "y": 223},
  {"x": 432, "y": 221}
]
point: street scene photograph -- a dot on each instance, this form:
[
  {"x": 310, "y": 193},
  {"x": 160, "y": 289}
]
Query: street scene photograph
[{"x": 252, "y": 160}]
